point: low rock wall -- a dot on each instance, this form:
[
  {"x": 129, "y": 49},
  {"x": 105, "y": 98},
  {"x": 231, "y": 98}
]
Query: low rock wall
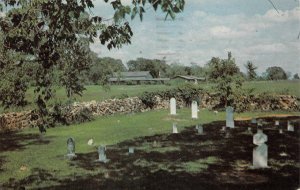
[{"x": 13, "y": 121}]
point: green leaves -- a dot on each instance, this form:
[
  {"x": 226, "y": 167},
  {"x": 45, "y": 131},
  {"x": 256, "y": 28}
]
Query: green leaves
[{"x": 48, "y": 34}]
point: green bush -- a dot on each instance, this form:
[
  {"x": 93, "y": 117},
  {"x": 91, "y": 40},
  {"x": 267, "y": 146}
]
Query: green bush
[{"x": 187, "y": 92}]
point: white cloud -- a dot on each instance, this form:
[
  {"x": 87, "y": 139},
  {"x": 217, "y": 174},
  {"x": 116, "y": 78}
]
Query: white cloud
[
  {"x": 282, "y": 16},
  {"x": 226, "y": 32},
  {"x": 266, "y": 48},
  {"x": 266, "y": 38}
]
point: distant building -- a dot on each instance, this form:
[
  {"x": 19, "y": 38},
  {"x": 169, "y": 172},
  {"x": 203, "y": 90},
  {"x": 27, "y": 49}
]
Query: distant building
[
  {"x": 136, "y": 76},
  {"x": 189, "y": 78}
]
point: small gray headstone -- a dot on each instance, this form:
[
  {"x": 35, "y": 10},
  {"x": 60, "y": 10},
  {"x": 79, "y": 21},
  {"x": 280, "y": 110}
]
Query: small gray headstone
[
  {"x": 229, "y": 117},
  {"x": 173, "y": 106},
  {"x": 102, "y": 155},
  {"x": 253, "y": 121},
  {"x": 280, "y": 131},
  {"x": 260, "y": 153},
  {"x": 260, "y": 122},
  {"x": 71, "y": 148},
  {"x": 131, "y": 150},
  {"x": 249, "y": 129},
  {"x": 194, "y": 110},
  {"x": 175, "y": 130},
  {"x": 228, "y": 133},
  {"x": 200, "y": 130},
  {"x": 290, "y": 126}
]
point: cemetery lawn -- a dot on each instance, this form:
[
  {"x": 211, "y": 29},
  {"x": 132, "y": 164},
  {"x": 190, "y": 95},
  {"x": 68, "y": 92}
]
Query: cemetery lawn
[{"x": 174, "y": 161}]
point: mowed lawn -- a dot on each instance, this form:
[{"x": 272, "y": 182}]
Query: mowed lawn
[{"x": 24, "y": 154}]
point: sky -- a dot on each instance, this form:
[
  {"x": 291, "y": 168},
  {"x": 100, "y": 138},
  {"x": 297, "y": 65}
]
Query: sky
[{"x": 251, "y": 29}]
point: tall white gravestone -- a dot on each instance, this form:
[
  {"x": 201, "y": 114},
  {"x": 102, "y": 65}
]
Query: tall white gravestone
[
  {"x": 173, "y": 106},
  {"x": 260, "y": 153},
  {"x": 194, "y": 110},
  {"x": 229, "y": 117},
  {"x": 175, "y": 130}
]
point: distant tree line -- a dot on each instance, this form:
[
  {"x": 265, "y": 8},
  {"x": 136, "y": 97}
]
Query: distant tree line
[{"x": 102, "y": 68}]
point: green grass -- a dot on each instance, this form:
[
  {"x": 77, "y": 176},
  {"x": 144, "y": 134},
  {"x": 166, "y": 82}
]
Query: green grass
[
  {"x": 283, "y": 87},
  {"x": 98, "y": 93},
  {"x": 104, "y": 130}
]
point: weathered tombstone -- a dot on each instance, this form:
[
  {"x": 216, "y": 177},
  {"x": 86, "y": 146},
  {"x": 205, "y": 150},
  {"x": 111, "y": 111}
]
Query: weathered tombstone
[
  {"x": 154, "y": 144},
  {"x": 277, "y": 123},
  {"x": 131, "y": 150},
  {"x": 194, "y": 110},
  {"x": 229, "y": 117},
  {"x": 175, "y": 130},
  {"x": 71, "y": 148},
  {"x": 260, "y": 123},
  {"x": 102, "y": 155},
  {"x": 228, "y": 133},
  {"x": 173, "y": 106},
  {"x": 249, "y": 130},
  {"x": 290, "y": 126},
  {"x": 223, "y": 128},
  {"x": 280, "y": 131},
  {"x": 200, "y": 130},
  {"x": 260, "y": 153},
  {"x": 253, "y": 121}
]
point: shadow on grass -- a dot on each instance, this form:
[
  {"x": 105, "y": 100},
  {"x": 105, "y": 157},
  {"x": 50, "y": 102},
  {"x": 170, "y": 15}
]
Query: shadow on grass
[
  {"x": 189, "y": 161},
  {"x": 14, "y": 141}
]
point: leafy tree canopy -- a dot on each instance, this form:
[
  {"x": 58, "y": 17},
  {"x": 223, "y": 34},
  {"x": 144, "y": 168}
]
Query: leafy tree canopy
[
  {"x": 276, "y": 73},
  {"x": 155, "y": 66},
  {"x": 251, "y": 73},
  {"x": 228, "y": 77},
  {"x": 55, "y": 35}
]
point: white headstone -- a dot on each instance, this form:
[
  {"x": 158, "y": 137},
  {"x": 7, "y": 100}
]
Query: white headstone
[
  {"x": 260, "y": 153},
  {"x": 173, "y": 106},
  {"x": 290, "y": 126},
  {"x": 280, "y": 131},
  {"x": 229, "y": 117},
  {"x": 175, "y": 128},
  {"x": 200, "y": 130},
  {"x": 249, "y": 129},
  {"x": 253, "y": 121},
  {"x": 102, "y": 155},
  {"x": 131, "y": 150},
  {"x": 194, "y": 110},
  {"x": 277, "y": 123}
]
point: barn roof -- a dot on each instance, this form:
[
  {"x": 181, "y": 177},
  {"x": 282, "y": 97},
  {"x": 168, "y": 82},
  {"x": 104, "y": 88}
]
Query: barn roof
[{"x": 190, "y": 77}]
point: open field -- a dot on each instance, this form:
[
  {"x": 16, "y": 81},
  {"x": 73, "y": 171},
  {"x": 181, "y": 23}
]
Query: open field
[{"x": 34, "y": 162}]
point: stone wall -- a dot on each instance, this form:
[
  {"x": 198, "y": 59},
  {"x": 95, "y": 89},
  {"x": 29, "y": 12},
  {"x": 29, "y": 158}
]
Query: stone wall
[{"x": 12, "y": 121}]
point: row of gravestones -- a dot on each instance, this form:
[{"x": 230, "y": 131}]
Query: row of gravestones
[
  {"x": 194, "y": 108},
  {"x": 260, "y": 153},
  {"x": 101, "y": 151}
]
